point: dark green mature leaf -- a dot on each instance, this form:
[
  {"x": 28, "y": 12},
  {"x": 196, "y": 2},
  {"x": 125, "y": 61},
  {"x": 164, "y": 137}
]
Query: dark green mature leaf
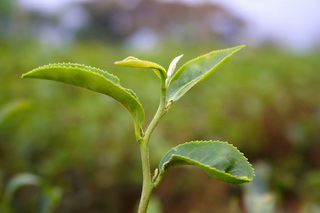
[
  {"x": 135, "y": 62},
  {"x": 93, "y": 79},
  {"x": 196, "y": 70},
  {"x": 219, "y": 159}
]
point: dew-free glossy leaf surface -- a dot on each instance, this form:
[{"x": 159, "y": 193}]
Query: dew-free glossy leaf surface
[
  {"x": 196, "y": 70},
  {"x": 93, "y": 79},
  {"x": 219, "y": 159},
  {"x": 135, "y": 62}
]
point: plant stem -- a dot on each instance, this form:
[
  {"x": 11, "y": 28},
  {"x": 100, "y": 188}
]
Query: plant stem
[{"x": 148, "y": 185}]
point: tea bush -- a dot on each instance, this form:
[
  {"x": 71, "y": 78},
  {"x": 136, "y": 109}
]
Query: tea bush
[{"x": 267, "y": 103}]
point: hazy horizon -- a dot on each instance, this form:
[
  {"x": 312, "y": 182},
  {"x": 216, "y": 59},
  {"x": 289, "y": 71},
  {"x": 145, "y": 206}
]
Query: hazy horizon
[{"x": 291, "y": 24}]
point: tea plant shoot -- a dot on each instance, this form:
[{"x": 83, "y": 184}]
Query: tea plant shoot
[{"x": 218, "y": 159}]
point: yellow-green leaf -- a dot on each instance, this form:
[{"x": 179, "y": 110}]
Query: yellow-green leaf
[
  {"x": 135, "y": 62},
  {"x": 196, "y": 70},
  {"x": 93, "y": 79}
]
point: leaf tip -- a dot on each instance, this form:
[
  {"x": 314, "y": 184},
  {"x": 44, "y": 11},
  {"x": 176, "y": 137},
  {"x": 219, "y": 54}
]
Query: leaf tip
[
  {"x": 129, "y": 58},
  {"x": 25, "y": 75},
  {"x": 241, "y": 46}
]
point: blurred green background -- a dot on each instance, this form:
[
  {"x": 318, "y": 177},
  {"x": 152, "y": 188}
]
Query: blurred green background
[{"x": 74, "y": 151}]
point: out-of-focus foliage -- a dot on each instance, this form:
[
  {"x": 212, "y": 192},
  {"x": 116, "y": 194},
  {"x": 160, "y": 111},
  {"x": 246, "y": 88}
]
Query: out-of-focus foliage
[
  {"x": 42, "y": 198},
  {"x": 265, "y": 102},
  {"x": 257, "y": 196}
]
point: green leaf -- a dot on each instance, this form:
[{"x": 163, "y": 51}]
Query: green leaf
[
  {"x": 135, "y": 62},
  {"x": 219, "y": 159},
  {"x": 19, "y": 181},
  {"x": 93, "y": 79},
  {"x": 196, "y": 70},
  {"x": 12, "y": 109}
]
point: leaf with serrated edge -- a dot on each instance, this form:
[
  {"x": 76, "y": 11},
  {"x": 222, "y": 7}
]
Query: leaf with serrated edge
[
  {"x": 93, "y": 79},
  {"x": 135, "y": 62},
  {"x": 196, "y": 70},
  {"x": 219, "y": 159}
]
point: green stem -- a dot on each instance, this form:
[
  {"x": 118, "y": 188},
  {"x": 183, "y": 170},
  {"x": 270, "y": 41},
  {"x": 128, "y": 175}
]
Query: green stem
[{"x": 148, "y": 185}]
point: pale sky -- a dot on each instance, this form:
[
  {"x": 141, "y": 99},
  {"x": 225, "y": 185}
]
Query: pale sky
[{"x": 291, "y": 23}]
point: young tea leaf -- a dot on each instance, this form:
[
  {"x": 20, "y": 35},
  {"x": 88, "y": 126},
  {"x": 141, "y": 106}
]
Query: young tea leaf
[
  {"x": 93, "y": 79},
  {"x": 135, "y": 62},
  {"x": 172, "y": 68},
  {"x": 219, "y": 159},
  {"x": 196, "y": 70}
]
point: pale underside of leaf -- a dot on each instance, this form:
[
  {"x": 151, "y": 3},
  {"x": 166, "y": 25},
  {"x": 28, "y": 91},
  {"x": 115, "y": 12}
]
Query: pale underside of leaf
[
  {"x": 219, "y": 159},
  {"x": 135, "y": 62},
  {"x": 197, "y": 70},
  {"x": 93, "y": 79}
]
